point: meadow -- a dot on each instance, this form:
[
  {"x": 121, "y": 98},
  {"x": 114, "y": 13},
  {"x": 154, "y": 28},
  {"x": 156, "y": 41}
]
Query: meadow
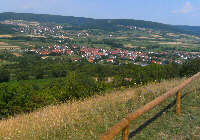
[{"x": 90, "y": 118}]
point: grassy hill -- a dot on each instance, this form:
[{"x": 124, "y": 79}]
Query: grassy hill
[
  {"x": 90, "y": 118},
  {"x": 102, "y": 24}
]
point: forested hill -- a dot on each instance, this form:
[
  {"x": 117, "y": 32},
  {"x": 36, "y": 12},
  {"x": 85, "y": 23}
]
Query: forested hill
[
  {"x": 103, "y": 24},
  {"x": 6, "y": 29},
  {"x": 194, "y": 29}
]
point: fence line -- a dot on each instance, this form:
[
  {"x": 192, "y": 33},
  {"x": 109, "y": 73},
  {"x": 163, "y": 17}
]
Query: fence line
[{"x": 124, "y": 124}]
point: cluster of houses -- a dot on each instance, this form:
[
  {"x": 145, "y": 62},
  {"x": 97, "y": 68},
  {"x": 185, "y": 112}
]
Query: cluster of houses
[
  {"x": 56, "y": 49},
  {"x": 108, "y": 55},
  {"x": 42, "y": 30},
  {"x": 37, "y": 29},
  {"x": 95, "y": 55}
]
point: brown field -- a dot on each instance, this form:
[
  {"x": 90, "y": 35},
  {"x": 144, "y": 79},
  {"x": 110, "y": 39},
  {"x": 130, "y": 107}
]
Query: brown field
[
  {"x": 9, "y": 47},
  {"x": 172, "y": 34},
  {"x": 8, "y": 36},
  {"x": 143, "y": 37},
  {"x": 156, "y": 36},
  {"x": 3, "y": 43}
]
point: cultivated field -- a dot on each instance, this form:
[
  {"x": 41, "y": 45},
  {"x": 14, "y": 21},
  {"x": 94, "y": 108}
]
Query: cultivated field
[
  {"x": 6, "y": 36},
  {"x": 171, "y": 43},
  {"x": 9, "y": 47},
  {"x": 4, "y": 45}
]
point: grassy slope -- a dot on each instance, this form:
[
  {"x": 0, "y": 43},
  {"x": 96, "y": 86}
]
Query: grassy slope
[
  {"x": 90, "y": 118},
  {"x": 170, "y": 126}
]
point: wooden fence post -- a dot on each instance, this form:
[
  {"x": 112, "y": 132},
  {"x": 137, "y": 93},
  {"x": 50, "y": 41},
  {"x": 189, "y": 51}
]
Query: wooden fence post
[
  {"x": 178, "y": 103},
  {"x": 125, "y": 132}
]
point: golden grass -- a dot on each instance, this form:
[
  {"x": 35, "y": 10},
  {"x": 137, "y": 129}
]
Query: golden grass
[
  {"x": 86, "y": 119},
  {"x": 7, "y": 36}
]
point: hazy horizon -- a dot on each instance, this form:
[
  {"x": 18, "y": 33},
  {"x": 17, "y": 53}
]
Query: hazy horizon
[{"x": 182, "y": 12}]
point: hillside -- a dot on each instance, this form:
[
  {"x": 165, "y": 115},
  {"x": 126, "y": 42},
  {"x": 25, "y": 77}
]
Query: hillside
[
  {"x": 194, "y": 29},
  {"x": 103, "y": 24},
  {"x": 7, "y": 29},
  {"x": 90, "y": 118}
]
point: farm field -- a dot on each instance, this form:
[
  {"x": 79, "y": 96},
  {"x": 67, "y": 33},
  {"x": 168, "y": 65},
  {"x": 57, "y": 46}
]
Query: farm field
[{"x": 4, "y": 45}]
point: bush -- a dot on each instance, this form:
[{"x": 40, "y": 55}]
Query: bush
[{"x": 4, "y": 76}]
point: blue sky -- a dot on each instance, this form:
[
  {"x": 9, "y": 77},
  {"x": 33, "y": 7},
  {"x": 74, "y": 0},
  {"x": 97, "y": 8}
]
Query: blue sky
[{"x": 182, "y": 12}]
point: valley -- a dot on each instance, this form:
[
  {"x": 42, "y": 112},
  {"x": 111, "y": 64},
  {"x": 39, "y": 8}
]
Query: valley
[{"x": 65, "y": 77}]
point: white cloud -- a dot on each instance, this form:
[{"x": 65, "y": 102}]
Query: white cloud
[{"x": 188, "y": 8}]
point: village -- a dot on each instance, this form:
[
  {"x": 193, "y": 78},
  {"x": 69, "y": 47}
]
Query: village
[
  {"x": 36, "y": 29},
  {"x": 114, "y": 56},
  {"x": 83, "y": 47}
]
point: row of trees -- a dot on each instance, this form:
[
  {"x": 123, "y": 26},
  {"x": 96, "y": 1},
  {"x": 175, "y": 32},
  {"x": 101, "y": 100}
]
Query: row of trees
[{"x": 31, "y": 67}]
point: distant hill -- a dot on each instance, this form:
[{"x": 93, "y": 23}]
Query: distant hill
[
  {"x": 194, "y": 29},
  {"x": 103, "y": 24},
  {"x": 6, "y": 29}
]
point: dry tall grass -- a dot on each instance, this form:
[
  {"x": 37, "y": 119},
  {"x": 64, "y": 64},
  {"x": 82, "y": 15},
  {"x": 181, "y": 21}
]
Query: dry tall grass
[{"x": 86, "y": 119}]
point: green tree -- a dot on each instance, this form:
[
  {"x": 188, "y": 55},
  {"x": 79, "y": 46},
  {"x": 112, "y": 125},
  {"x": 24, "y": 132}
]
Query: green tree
[{"x": 4, "y": 75}]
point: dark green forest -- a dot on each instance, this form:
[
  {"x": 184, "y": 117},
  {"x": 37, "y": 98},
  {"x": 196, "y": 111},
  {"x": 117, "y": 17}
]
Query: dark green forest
[{"x": 7, "y": 29}]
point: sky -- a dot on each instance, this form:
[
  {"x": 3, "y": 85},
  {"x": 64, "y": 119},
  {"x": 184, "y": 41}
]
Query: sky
[{"x": 176, "y": 12}]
